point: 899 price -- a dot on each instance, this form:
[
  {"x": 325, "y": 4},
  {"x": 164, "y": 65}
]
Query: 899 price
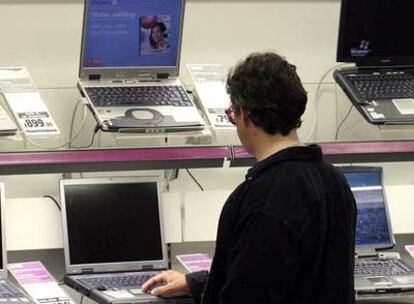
[{"x": 34, "y": 123}]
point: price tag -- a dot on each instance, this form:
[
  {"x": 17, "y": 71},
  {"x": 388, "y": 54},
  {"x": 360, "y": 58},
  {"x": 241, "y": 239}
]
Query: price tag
[
  {"x": 36, "y": 121},
  {"x": 26, "y": 103}
]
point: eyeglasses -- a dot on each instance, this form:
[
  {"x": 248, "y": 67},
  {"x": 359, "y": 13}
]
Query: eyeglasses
[{"x": 230, "y": 115}]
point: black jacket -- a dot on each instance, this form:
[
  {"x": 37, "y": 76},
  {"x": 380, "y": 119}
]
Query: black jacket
[{"x": 285, "y": 235}]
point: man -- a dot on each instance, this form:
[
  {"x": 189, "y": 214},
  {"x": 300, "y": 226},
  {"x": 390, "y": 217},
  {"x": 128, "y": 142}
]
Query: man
[{"x": 286, "y": 234}]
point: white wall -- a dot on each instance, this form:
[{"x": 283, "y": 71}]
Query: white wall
[{"x": 45, "y": 36}]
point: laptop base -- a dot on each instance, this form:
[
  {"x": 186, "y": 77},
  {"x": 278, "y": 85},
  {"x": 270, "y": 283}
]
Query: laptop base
[
  {"x": 121, "y": 296},
  {"x": 378, "y": 111}
]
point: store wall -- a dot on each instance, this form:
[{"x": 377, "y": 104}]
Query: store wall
[{"x": 45, "y": 36}]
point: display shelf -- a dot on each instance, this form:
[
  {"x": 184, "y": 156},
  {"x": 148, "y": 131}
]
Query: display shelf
[
  {"x": 347, "y": 152},
  {"x": 32, "y": 162},
  {"x": 112, "y": 159}
]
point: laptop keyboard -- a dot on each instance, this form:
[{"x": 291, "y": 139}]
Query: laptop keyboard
[
  {"x": 383, "y": 86},
  {"x": 380, "y": 268},
  {"x": 11, "y": 293},
  {"x": 139, "y": 96},
  {"x": 116, "y": 282}
]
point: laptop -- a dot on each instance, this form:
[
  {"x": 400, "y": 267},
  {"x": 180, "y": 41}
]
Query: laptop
[
  {"x": 375, "y": 271},
  {"x": 9, "y": 293},
  {"x": 375, "y": 35},
  {"x": 113, "y": 237},
  {"x": 129, "y": 66}
]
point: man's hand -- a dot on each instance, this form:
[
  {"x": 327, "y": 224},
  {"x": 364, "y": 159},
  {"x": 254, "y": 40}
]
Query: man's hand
[{"x": 167, "y": 283}]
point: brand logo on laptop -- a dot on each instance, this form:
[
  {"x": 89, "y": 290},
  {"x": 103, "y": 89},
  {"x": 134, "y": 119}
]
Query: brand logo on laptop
[{"x": 362, "y": 50}]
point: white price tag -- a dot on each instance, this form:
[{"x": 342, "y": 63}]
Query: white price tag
[
  {"x": 35, "y": 122},
  {"x": 26, "y": 103}
]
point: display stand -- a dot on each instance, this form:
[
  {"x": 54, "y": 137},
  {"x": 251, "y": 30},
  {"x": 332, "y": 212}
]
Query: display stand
[
  {"x": 173, "y": 139},
  {"x": 11, "y": 143},
  {"x": 392, "y": 132}
]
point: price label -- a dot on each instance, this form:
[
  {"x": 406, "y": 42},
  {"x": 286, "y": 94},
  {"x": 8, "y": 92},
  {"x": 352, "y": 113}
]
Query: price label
[
  {"x": 25, "y": 102},
  {"x": 36, "y": 122}
]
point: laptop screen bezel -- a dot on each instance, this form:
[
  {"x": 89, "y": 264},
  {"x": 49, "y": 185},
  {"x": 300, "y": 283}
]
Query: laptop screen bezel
[
  {"x": 3, "y": 270},
  {"x": 111, "y": 266},
  {"x": 361, "y": 249},
  {"x": 361, "y": 61},
  {"x": 86, "y": 73}
]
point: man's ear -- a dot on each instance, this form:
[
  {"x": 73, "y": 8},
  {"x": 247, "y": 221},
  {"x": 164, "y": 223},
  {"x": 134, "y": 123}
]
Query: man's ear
[{"x": 244, "y": 115}]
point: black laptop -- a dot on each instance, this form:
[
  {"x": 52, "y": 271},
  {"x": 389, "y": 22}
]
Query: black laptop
[
  {"x": 376, "y": 35},
  {"x": 114, "y": 238}
]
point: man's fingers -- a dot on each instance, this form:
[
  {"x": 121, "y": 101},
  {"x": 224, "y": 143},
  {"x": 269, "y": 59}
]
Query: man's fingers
[
  {"x": 158, "y": 279},
  {"x": 166, "y": 290}
]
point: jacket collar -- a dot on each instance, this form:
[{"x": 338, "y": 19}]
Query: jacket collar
[{"x": 298, "y": 153}]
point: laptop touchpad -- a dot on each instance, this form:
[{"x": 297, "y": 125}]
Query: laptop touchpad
[
  {"x": 143, "y": 115},
  {"x": 405, "y": 106},
  {"x": 381, "y": 281},
  {"x": 136, "y": 291}
]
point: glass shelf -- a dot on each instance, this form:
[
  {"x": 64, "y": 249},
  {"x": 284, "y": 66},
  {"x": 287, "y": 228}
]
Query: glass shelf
[{"x": 106, "y": 151}]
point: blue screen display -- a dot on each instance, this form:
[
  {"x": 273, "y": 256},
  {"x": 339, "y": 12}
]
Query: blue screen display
[
  {"x": 372, "y": 224},
  {"x": 132, "y": 33}
]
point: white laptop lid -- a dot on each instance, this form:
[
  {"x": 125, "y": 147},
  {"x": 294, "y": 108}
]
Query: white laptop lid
[
  {"x": 112, "y": 224},
  {"x": 3, "y": 259},
  {"x": 131, "y": 38},
  {"x": 373, "y": 228}
]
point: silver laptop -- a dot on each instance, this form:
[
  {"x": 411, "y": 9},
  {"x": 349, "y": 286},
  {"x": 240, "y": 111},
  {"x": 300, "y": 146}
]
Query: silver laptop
[
  {"x": 113, "y": 237},
  {"x": 375, "y": 271},
  {"x": 129, "y": 66},
  {"x": 9, "y": 293}
]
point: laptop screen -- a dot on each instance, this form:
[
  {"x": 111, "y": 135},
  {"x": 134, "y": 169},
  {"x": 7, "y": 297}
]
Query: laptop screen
[
  {"x": 372, "y": 222},
  {"x": 113, "y": 222},
  {"x": 375, "y": 30},
  {"x": 132, "y": 33}
]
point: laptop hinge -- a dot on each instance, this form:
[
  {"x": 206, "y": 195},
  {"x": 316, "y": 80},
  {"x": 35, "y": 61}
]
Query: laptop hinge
[
  {"x": 389, "y": 256},
  {"x": 384, "y": 67},
  {"x": 87, "y": 270},
  {"x": 147, "y": 267},
  {"x": 382, "y": 256},
  {"x": 366, "y": 252},
  {"x": 163, "y": 75},
  {"x": 94, "y": 76}
]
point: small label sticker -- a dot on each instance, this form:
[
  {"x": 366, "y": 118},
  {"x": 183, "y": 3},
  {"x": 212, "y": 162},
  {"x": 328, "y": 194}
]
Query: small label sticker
[{"x": 376, "y": 115}]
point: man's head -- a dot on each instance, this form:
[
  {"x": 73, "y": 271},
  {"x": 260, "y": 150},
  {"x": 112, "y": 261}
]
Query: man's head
[{"x": 266, "y": 88}]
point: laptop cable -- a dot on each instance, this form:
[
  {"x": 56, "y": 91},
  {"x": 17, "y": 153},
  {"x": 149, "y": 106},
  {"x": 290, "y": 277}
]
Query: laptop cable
[{"x": 342, "y": 122}]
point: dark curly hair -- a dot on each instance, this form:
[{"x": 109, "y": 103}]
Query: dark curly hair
[{"x": 268, "y": 88}]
